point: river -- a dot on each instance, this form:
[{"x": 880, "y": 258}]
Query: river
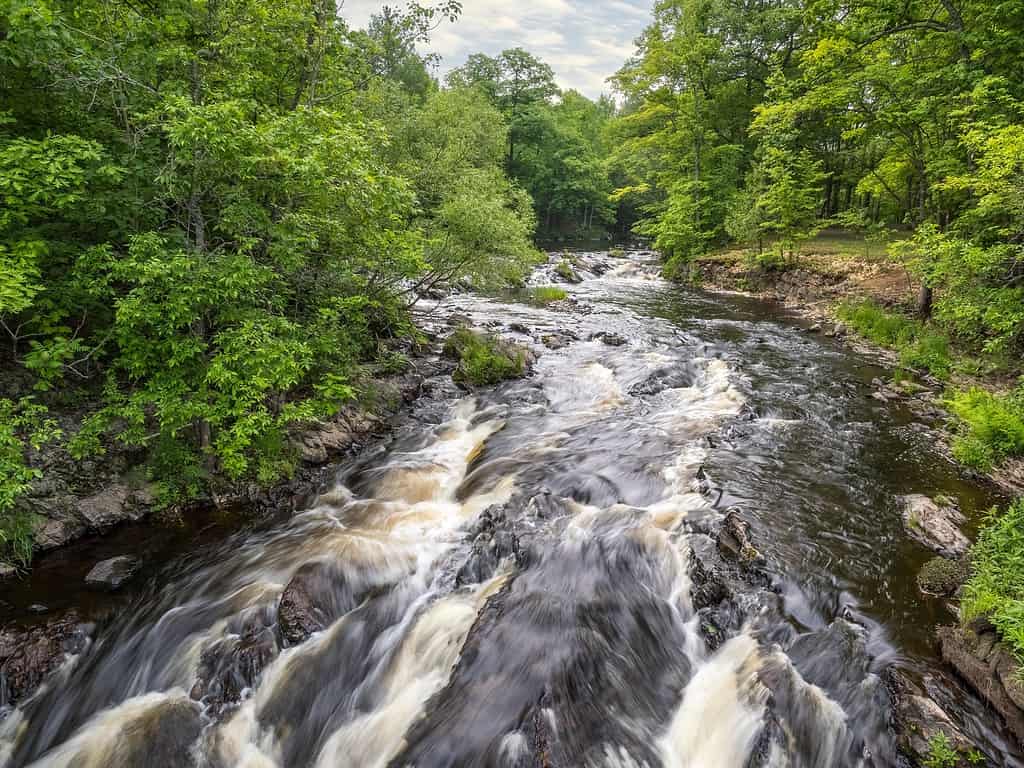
[{"x": 510, "y": 580}]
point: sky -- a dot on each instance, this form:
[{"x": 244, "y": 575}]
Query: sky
[{"x": 584, "y": 41}]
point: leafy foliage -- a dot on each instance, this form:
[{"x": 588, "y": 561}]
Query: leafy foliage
[
  {"x": 996, "y": 586},
  {"x": 213, "y": 213},
  {"x": 992, "y": 427}
]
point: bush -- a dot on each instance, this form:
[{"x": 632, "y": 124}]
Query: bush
[
  {"x": 941, "y": 576},
  {"x": 992, "y": 427},
  {"x": 22, "y": 424},
  {"x": 484, "y": 360},
  {"x": 996, "y": 586}
]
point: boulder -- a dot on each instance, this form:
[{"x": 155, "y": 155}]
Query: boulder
[
  {"x": 106, "y": 508},
  {"x": 7, "y": 571},
  {"x": 54, "y": 533},
  {"x": 232, "y": 666},
  {"x": 316, "y": 596},
  {"x": 990, "y": 669},
  {"x": 935, "y": 526},
  {"x": 27, "y": 656},
  {"x": 110, "y": 575}
]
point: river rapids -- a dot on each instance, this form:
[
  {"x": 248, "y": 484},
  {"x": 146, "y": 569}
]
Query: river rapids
[{"x": 534, "y": 575}]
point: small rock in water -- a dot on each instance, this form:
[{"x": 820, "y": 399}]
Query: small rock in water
[
  {"x": 519, "y": 328},
  {"x": 942, "y": 577},
  {"x": 611, "y": 339},
  {"x": 38, "y": 609},
  {"x": 936, "y": 526},
  {"x": 112, "y": 574}
]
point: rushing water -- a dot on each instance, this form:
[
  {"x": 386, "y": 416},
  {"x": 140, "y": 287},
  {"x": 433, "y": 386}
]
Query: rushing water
[{"x": 511, "y": 575}]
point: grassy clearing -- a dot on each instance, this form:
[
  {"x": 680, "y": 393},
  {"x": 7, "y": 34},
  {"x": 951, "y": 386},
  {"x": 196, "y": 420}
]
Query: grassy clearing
[
  {"x": 996, "y": 586},
  {"x": 484, "y": 360}
]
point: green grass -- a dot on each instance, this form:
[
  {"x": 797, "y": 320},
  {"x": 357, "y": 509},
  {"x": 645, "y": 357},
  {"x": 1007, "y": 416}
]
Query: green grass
[
  {"x": 484, "y": 360},
  {"x": 991, "y": 427},
  {"x": 547, "y": 294},
  {"x": 996, "y": 586},
  {"x": 920, "y": 347}
]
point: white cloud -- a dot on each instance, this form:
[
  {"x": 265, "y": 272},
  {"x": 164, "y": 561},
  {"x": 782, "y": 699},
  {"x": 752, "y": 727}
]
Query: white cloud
[{"x": 584, "y": 41}]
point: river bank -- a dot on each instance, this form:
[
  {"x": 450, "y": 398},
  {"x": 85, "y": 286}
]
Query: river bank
[
  {"x": 817, "y": 285},
  {"x": 690, "y": 494}
]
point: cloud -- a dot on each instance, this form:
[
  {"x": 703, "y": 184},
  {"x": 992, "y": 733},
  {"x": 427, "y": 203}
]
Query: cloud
[{"x": 584, "y": 41}]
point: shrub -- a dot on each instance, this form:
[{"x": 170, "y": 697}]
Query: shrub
[
  {"x": 617, "y": 253},
  {"x": 941, "y": 576},
  {"x": 484, "y": 360},
  {"x": 22, "y": 424},
  {"x": 992, "y": 427},
  {"x": 996, "y": 586}
]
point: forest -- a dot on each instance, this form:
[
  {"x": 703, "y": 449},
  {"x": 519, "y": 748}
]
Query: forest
[{"x": 217, "y": 213}]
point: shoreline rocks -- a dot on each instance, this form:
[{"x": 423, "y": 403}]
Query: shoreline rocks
[{"x": 979, "y": 657}]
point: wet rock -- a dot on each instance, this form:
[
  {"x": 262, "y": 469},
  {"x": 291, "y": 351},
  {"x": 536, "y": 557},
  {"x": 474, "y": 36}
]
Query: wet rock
[
  {"x": 839, "y": 331},
  {"x": 942, "y": 577},
  {"x": 918, "y": 720},
  {"x": 935, "y": 526},
  {"x": 27, "y": 656},
  {"x": 112, "y": 574},
  {"x": 7, "y": 571},
  {"x": 989, "y": 667},
  {"x": 232, "y": 667},
  {"x": 317, "y": 594},
  {"x": 659, "y": 381},
  {"x": 734, "y": 539},
  {"x": 493, "y": 540},
  {"x": 38, "y": 609},
  {"x": 610, "y": 339},
  {"x": 519, "y": 328},
  {"x": 553, "y": 342}
]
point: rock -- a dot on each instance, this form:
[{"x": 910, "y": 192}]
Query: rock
[
  {"x": 54, "y": 533},
  {"x": 942, "y": 577},
  {"x": 989, "y": 668},
  {"x": 519, "y": 328},
  {"x": 112, "y": 574},
  {"x": 734, "y": 539},
  {"x": 38, "y": 608},
  {"x": 553, "y": 342},
  {"x": 28, "y": 656},
  {"x": 232, "y": 666},
  {"x": 106, "y": 508},
  {"x": 317, "y": 594},
  {"x": 839, "y": 331},
  {"x": 611, "y": 339},
  {"x": 816, "y": 328},
  {"x": 918, "y": 720},
  {"x": 936, "y": 527},
  {"x": 7, "y": 571}
]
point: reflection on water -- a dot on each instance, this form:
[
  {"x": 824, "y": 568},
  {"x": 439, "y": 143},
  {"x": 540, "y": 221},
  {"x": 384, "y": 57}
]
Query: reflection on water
[{"x": 514, "y": 585}]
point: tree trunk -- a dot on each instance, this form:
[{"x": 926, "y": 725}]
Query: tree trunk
[{"x": 925, "y": 300}]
